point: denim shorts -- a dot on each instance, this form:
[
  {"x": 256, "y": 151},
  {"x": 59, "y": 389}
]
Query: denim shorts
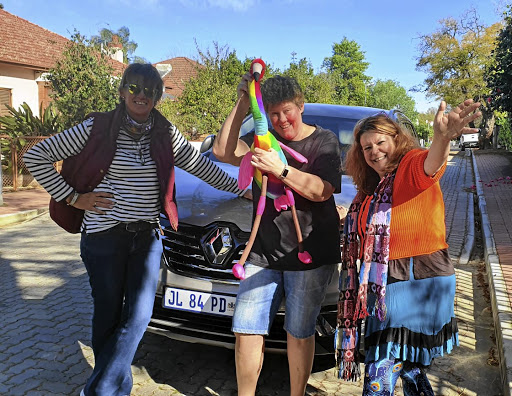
[{"x": 261, "y": 292}]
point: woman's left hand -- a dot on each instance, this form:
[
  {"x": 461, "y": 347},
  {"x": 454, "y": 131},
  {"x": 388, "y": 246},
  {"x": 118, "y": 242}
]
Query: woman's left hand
[{"x": 452, "y": 125}]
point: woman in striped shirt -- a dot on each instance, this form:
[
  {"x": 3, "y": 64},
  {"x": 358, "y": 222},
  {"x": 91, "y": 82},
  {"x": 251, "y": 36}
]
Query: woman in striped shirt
[{"x": 116, "y": 179}]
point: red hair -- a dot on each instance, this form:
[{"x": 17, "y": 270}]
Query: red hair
[{"x": 364, "y": 177}]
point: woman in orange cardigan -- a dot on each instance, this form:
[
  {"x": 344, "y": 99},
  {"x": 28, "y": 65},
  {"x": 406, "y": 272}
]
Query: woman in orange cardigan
[{"x": 394, "y": 234}]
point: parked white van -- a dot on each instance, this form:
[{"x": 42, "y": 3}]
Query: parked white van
[{"x": 468, "y": 140}]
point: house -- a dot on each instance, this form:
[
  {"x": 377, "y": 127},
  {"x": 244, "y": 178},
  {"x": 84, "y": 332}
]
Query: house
[
  {"x": 27, "y": 51},
  {"x": 181, "y": 70}
]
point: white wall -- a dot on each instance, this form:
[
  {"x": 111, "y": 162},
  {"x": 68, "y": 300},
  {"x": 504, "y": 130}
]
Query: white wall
[{"x": 23, "y": 84}]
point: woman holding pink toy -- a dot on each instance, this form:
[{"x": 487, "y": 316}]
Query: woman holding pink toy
[{"x": 274, "y": 270}]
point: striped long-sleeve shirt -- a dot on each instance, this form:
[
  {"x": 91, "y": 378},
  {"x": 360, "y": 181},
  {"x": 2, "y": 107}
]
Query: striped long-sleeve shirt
[{"x": 131, "y": 177}]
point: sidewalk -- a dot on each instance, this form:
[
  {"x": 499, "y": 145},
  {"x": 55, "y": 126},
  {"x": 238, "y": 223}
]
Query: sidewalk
[
  {"x": 23, "y": 205},
  {"x": 493, "y": 176}
]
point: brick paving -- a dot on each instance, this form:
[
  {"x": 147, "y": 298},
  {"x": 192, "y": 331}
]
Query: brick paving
[
  {"x": 496, "y": 181},
  {"x": 458, "y": 200}
]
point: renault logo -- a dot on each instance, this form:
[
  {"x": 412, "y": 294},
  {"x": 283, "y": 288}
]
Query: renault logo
[{"x": 218, "y": 245}]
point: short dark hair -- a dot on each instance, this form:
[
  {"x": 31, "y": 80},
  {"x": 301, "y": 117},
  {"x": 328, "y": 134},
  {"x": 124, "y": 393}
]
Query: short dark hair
[
  {"x": 149, "y": 75},
  {"x": 281, "y": 89}
]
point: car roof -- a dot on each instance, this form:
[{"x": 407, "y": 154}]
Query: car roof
[
  {"x": 353, "y": 112},
  {"x": 357, "y": 113}
]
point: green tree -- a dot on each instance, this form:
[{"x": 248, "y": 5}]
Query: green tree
[
  {"x": 499, "y": 74},
  {"x": 346, "y": 68},
  {"x": 139, "y": 59},
  {"x": 455, "y": 58},
  {"x": 499, "y": 81},
  {"x": 108, "y": 37},
  {"x": 208, "y": 98},
  {"x": 424, "y": 124},
  {"x": 317, "y": 87},
  {"x": 505, "y": 130},
  {"x": 388, "y": 94},
  {"x": 82, "y": 81}
]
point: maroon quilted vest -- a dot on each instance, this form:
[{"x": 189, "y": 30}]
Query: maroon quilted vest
[{"x": 86, "y": 170}]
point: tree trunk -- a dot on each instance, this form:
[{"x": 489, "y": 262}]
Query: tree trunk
[{"x": 486, "y": 128}]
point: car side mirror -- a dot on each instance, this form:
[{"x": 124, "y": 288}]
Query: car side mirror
[{"x": 207, "y": 143}]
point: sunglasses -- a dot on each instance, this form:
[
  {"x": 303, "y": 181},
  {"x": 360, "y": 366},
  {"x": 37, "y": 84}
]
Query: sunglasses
[
  {"x": 380, "y": 113},
  {"x": 135, "y": 89}
]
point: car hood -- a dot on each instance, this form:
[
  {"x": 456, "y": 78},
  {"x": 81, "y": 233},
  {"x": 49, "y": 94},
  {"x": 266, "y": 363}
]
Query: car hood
[{"x": 200, "y": 204}]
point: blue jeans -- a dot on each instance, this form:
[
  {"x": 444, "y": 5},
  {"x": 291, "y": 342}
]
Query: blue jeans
[
  {"x": 261, "y": 292},
  {"x": 123, "y": 272}
]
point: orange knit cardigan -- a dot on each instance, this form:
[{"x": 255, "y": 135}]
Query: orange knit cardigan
[{"x": 417, "y": 217}]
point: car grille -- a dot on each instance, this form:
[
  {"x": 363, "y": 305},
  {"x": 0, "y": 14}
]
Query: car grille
[{"x": 184, "y": 251}]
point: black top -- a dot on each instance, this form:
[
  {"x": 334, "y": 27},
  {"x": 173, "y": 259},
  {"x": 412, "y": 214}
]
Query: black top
[{"x": 276, "y": 245}]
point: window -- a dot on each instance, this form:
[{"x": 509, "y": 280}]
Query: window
[{"x": 5, "y": 99}]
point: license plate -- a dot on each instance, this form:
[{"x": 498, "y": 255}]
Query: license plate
[{"x": 194, "y": 301}]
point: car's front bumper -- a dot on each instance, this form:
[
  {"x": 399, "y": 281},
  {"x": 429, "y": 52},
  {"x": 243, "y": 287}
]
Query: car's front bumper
[{"x": 215, "y": 329}]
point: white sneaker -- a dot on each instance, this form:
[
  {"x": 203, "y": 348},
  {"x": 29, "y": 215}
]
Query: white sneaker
[{"x": 82, "y": 393}]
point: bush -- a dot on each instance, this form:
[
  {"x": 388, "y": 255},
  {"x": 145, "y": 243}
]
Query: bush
[
  {"x": 505, "y": 133},
  {"x": 82, "y": 81},
  {"x": 23, "y": 122}
]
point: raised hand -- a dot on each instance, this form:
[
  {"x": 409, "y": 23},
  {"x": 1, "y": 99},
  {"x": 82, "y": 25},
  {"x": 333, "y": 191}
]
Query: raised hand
[{"x": 452, "y": 125}]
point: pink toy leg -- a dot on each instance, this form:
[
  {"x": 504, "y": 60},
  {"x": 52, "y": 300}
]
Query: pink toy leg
[
  {"x": 238, "y": 268},
  {"x": 304, "y": 256}
]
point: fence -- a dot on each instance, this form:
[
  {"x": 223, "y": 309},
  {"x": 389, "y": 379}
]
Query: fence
[{"x": 15, "y": 174}]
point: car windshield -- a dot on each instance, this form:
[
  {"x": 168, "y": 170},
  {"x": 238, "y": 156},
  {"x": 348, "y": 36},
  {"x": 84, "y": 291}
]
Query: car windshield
[{"x": 342, "y": 127}]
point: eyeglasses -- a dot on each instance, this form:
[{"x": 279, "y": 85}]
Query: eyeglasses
[{"x": 135, "y": 89}]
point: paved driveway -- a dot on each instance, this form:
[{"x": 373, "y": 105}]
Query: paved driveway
[{"x": 45, "y": 312}]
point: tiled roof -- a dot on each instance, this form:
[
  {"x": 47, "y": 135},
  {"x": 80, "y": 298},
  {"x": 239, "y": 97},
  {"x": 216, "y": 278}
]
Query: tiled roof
[
  {"x": 26, "y": 44},
  {"x": 182, "y": 70}
]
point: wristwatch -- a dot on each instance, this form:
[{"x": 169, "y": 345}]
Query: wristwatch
[{"x": 284, "y": 173}]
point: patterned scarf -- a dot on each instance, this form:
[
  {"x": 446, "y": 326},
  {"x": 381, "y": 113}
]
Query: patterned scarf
[
  {"x": 135, "y": 128},
  {"x": 357, "y": 295}
]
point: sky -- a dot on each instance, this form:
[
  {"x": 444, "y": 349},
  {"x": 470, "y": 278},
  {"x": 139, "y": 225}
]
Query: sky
[{"x": 277, "y": 31}]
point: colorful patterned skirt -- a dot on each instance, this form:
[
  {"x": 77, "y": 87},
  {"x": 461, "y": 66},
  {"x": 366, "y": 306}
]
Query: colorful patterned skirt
[{"x": 420, "y": 322}]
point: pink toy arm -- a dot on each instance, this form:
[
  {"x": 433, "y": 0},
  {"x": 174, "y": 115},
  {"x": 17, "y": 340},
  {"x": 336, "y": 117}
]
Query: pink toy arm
[
  {"x": 245, "y": 172},
  {"x": 298, "y": 156}
]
